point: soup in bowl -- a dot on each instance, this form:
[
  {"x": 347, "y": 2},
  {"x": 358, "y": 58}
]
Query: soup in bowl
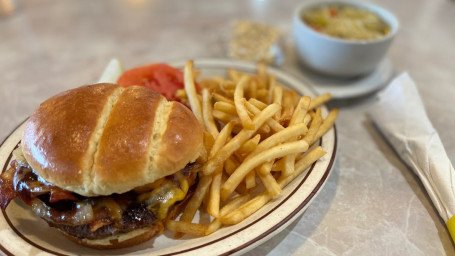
[{"x": 342, "y": 38}]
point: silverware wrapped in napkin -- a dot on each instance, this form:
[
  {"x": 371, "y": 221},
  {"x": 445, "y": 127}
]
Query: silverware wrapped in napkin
[{"x": 400, "y": 116}]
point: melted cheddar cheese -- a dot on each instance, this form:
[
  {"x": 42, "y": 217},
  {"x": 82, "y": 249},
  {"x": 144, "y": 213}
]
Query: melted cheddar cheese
[{"x": 162, "y": 197}]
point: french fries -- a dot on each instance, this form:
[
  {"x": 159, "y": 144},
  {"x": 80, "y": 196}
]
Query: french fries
[
  {"x": 228, "y": 208},
  {"x": 207, "y": 113},
  {"x": 213, "y": 207},
  {"x": 186, "y": 227},
  {"x": 196, "y": 200},
  {"x": 258, "y": 137},
  {"x": 190, "y": 89},
  {"x": 240, "y": 106},
  {"x": 319, "y": 100},
  {"x": 267, "y": 179},
  {"x": 225, "y": 107},
  {"x": 267, "y": 155},
  {"x": 246, "y": 209},
  {"x": 239, "y": 139},
  {"x": 314, "y": 127}
]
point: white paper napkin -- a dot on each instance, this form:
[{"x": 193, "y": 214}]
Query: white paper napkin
[{"x": 401, "y": 117}]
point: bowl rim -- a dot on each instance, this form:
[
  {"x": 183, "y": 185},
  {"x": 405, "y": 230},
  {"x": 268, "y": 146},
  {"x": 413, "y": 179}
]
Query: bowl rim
[{"x": 381, "y": 12}]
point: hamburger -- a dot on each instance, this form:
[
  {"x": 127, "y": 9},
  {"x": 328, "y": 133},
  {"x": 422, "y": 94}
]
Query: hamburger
[{"x": 106, "y": 165}]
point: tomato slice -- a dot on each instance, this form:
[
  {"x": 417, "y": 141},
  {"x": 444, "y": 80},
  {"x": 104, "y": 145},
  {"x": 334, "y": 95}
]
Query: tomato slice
[{"x": 159, "y": 77}]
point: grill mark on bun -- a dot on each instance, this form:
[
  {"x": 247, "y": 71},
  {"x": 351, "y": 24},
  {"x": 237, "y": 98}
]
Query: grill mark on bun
[
  {"x": 180, "y": 138},
  {"x": 159, "y": 127},
  {"x": 95, "y": 139}
]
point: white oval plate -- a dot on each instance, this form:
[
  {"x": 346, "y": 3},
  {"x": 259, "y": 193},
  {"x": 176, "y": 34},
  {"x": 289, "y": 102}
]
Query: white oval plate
[{"x": 22, "y": 233}]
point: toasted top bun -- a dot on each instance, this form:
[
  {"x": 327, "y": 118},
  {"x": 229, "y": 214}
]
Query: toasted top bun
[{"x": 103, "y": 139}]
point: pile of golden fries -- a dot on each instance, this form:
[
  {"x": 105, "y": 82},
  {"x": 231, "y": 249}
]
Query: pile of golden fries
[{"x": 255, "y": 131}]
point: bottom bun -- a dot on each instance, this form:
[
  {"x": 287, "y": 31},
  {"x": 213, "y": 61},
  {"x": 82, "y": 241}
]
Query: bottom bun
[{"x": 120, "y": 240}]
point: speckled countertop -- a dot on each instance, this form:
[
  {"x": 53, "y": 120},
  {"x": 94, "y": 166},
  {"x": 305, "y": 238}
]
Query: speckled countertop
[{"x": 372, "y": 204}]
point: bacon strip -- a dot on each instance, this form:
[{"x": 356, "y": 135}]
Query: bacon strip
[
  {"x": 7, "y": 191},
  {"x": 58, "y": 194}
]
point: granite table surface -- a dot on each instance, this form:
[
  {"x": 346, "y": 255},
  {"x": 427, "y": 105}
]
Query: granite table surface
[{"x": 372, "y": 204}]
